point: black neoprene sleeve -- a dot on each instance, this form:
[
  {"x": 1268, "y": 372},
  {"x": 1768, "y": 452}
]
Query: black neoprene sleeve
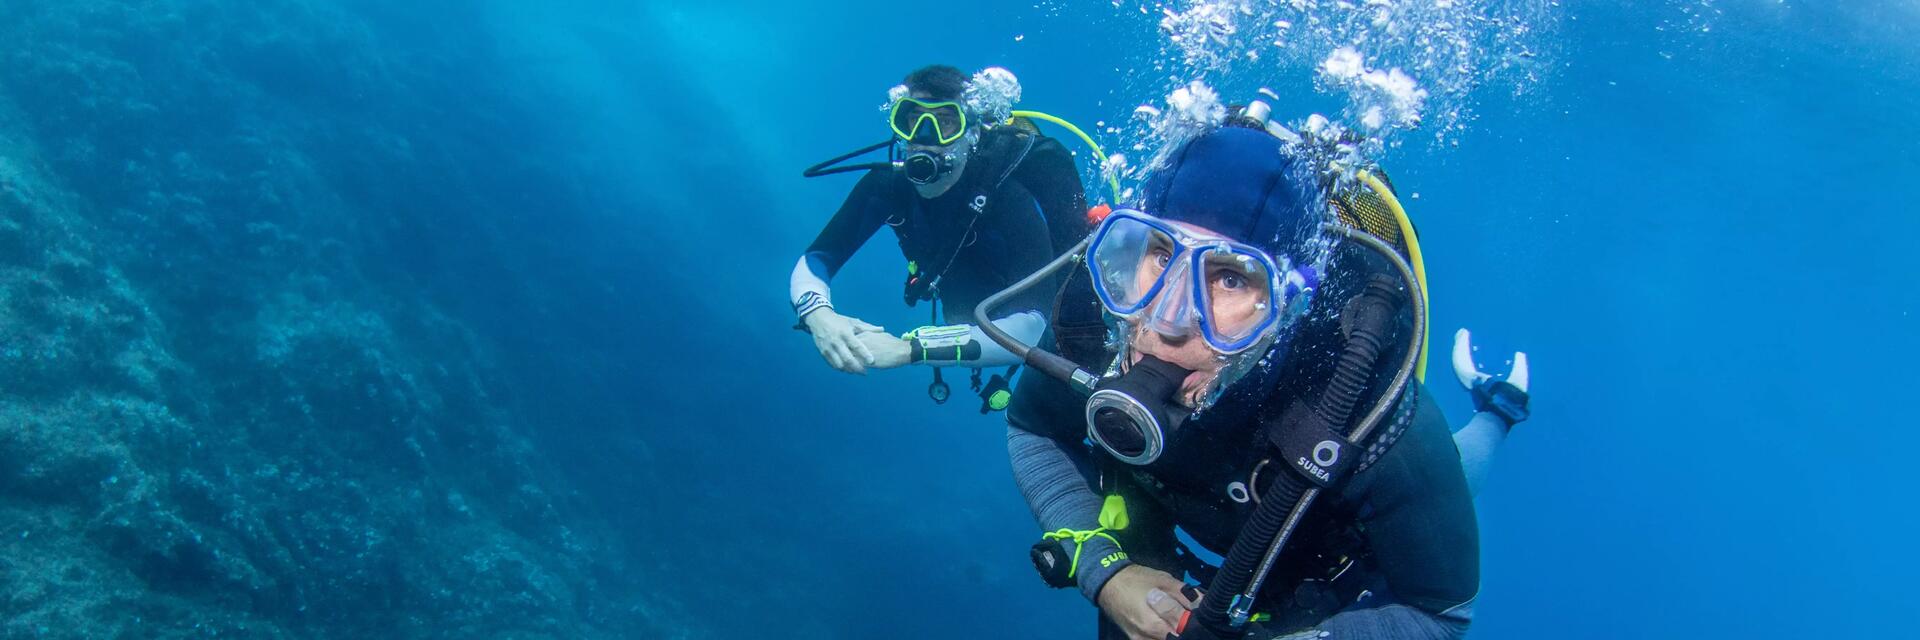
[{"x": 865, "y": 209}]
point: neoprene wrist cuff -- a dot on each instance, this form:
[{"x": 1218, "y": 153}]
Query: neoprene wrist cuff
[
  {"x": 1501, "y": 399},
  {"x": 810, "y": 302},
  {"x": 1099, "y": 560}
]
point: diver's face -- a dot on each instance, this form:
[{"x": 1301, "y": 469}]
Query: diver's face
[
  {"x": 960, "y": 150},
  {"x": 936, "y": 148},
  {"x": 1235, "y": 298}
]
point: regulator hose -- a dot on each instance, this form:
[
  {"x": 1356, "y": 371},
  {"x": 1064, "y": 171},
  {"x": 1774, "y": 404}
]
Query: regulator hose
[
  {"x": 1368, "y": 315},
  {"x": 1047, "y": 362},
  {"x": 826, "y": 168}
]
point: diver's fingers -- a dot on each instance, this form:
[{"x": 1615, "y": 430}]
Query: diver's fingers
[
  {"x": 839, "y": 356},
  {"x": 860, "y": 349},
  {"x": 1165, "y": 604},
  {"x": 847, "y": 365},
  {"x": 854, "y": 363},
  {"x": 862, "y": 326},
  {"x": 1192, "y": 594},
  {"x": 832, "y": 355},
  {"x": 1520, "y": 376},
  {"x": 1463, "y": 368}
]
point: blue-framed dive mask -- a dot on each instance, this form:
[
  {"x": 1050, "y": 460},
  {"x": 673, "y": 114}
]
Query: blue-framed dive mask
[{"x": 1175, "y": 280}]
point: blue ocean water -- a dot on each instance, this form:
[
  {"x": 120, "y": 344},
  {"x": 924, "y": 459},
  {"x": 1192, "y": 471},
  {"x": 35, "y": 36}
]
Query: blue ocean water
[{"x": 573, "y": 223}]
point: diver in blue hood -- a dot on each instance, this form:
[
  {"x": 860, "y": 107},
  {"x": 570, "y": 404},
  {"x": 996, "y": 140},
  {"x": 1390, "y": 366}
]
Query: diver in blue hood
[{"x": 1259, "y": 388}]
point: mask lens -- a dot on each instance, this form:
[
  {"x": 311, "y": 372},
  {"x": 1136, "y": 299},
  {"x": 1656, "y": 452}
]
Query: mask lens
[
  {"x": 950, "y": 121},
  {"x": 1237, "y": 295},
  {"x": 1129, "y": 262}
]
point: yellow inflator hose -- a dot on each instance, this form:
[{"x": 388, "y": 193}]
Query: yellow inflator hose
[
  {"x": 1097, "y": 153},
  {"x": 1413, "y": 254}
]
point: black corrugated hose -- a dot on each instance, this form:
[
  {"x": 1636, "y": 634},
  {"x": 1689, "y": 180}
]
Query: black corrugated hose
[{"x": 1369, "y": 315}]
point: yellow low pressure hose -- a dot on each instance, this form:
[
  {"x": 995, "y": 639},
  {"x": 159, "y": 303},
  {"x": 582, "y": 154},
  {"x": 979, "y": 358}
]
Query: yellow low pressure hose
[
  {"x": 1413, "y": 253},
  {"x": 1112, "y": 182}
]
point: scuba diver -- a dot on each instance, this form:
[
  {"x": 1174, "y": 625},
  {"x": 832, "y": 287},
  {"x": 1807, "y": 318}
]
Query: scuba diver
[
  {"x": 1261, "y": 390},
  {"x": 978, "y": 199}
]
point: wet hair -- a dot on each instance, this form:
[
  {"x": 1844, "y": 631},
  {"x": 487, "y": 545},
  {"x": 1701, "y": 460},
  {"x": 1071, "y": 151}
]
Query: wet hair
[{"x": 937, "y": 81}]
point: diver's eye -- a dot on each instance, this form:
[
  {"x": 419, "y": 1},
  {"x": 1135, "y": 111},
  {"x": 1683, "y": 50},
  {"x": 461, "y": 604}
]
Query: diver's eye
[
  {"x": 1229, "y": 280},
  {"x": 1160, "y": 258}
]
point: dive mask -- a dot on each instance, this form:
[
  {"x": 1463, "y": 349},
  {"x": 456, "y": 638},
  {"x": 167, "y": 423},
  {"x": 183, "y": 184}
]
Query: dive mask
[
  {"x": 1174, "y": 281},
  {"x": 928, "y": 123}
]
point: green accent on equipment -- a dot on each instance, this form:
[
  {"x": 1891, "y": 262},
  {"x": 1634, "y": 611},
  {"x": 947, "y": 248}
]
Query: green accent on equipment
[
  {"x": 1113, "y": 513},
  {"x": 1098, "y": 154},
  {"x": 948, "y": 119},
  {"x": 1113, "y": 517}
]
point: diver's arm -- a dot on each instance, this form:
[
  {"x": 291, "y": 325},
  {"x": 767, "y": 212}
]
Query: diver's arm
[
  {"x": 807, "y": 287},
  {"x": 864, "y": 210},
  {"x": 1055, "y": 481},
  {"x": 966, "y": 345},
  {"x": 837, "y": 337}
]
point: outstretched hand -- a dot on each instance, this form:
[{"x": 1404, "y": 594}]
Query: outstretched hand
[
  {"x": 838, "y": 339},
  {"x": 1144, "y": 602}
]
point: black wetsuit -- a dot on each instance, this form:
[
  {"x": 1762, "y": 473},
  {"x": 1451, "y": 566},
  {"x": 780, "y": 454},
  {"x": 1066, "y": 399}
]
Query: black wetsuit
[
  {"x": 1008, "y": 242},
  {"x": 1036, "y": 210},
  {"x": 1407, "y": 519}
]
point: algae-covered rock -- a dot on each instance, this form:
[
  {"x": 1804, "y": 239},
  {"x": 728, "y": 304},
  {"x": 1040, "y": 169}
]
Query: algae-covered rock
[{"x": 226, "y": 408}]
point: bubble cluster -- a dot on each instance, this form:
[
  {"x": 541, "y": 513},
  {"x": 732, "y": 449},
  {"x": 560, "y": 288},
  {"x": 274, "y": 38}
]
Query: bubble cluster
[
  {"x": 1398, "y": 65},
  {"x": 1204, "y": 33},
  {"x": 992, "y": 94},
  {"x": 1191, "y": 110}
]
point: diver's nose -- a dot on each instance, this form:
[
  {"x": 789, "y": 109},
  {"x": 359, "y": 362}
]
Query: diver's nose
[{"x": 1171, "y": 316}]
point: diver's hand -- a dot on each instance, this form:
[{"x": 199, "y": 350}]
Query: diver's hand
[
  {"x": 1146, "y": 603},
  {"x": 838, "y": 339},
  {"x": 1504, "y": 396},
  {"x": 888, "y": 351}
]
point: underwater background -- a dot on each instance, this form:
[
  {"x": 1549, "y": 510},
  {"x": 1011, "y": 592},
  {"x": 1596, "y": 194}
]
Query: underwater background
[{"x": 468, "y": 318}]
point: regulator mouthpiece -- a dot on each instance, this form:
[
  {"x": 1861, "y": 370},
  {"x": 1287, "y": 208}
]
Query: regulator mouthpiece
[
  {"x": 925, "y": 168},
  {"x": 1131, "y": 416}
]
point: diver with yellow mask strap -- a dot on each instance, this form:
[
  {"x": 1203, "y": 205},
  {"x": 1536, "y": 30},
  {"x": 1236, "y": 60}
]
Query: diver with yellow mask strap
[
  {"x": 1261, "y": 394},
  {"x": 975, "y": 200}
]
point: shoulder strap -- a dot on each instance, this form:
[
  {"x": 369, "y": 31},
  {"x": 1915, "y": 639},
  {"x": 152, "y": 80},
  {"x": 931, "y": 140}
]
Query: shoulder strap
[{"x": 1001, "y": 150}]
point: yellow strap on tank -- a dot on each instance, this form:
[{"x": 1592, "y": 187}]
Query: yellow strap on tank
[
  {"x": 1112, "y": 182},
  {"x": 1413, "y": 255}
]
